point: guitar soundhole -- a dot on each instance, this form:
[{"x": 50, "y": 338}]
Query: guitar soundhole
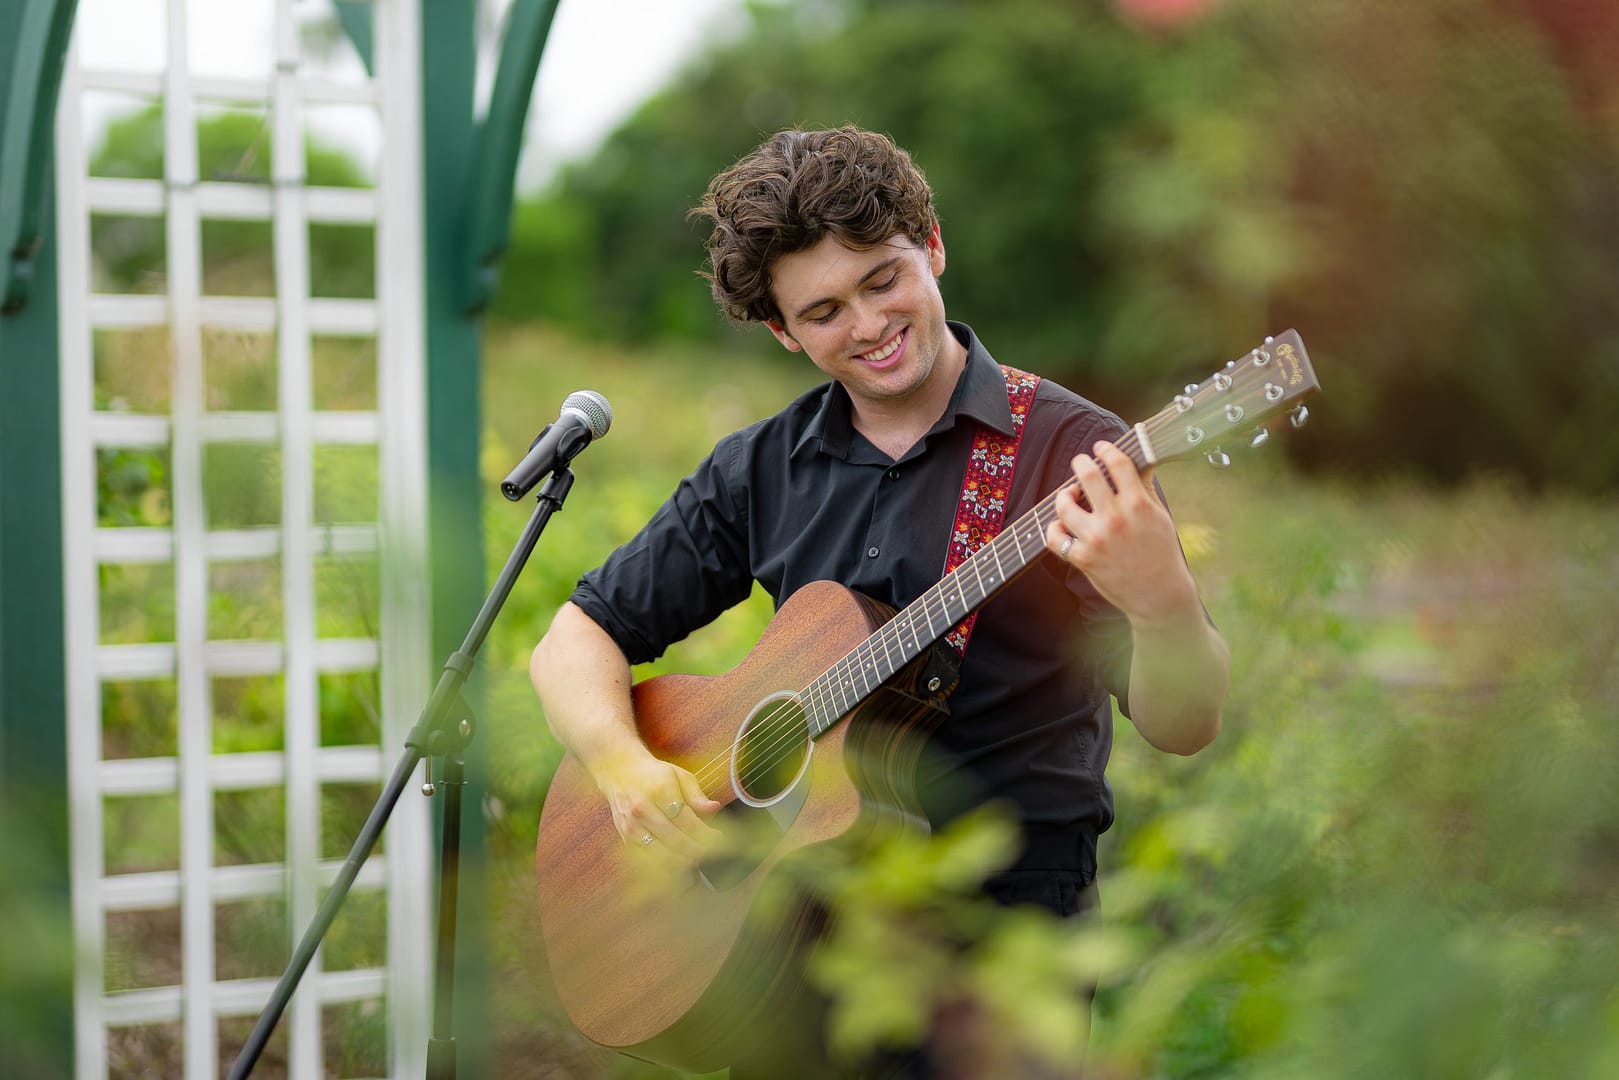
[{"x": 771, "y": 750}]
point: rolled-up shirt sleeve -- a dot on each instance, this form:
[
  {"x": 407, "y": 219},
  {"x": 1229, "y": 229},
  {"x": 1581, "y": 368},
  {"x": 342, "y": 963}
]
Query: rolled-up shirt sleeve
[{"x": 685, "y": 567}]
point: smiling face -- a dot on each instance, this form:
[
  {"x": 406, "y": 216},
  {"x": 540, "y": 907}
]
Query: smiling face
[{"x": 873, "y": 320}]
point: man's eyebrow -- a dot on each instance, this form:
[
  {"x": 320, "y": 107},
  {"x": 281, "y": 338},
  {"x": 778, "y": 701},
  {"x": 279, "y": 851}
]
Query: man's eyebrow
[{"x": 867, "y": 276}]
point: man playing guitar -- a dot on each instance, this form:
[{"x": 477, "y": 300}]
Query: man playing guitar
[{"x": 830, "y": 239}]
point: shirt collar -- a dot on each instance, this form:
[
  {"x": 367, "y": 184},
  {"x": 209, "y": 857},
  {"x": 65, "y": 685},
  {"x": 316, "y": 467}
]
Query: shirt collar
[{"x": 980, "y": 394}]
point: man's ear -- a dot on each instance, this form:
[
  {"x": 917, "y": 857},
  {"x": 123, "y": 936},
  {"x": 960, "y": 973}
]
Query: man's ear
[
  {"x": 935, "y": 246},
  {"x": 787, "y": 340}
]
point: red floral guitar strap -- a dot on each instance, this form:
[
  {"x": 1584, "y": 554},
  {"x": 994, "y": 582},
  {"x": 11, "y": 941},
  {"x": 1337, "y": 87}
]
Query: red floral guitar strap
[{"x": 986, "y": 487}]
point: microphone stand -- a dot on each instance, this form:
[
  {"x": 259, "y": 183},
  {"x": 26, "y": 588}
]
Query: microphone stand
[{"x": 445, "y": 728}]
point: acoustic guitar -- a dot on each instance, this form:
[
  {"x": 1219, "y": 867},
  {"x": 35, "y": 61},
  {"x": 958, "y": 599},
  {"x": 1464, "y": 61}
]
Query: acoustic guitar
[{"x": 811, "y": 740}]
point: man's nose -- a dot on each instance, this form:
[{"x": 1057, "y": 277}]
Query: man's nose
[{"x": 869, "y": 321}]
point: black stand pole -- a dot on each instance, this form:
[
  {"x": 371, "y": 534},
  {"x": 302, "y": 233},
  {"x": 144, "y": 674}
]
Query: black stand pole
[
  {"x": 441, "y": 1047},
  {"x": 445, "y": 728}
]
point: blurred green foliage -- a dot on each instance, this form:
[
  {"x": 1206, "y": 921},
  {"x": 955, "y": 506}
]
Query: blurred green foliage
[
  {"x": 1397, "y": 860},
  {"x": 1427, "y": 191},
  {"x": 36, "y": 974}
]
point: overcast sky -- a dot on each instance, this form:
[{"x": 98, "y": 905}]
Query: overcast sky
[
  {"x": 602, "y": 59},
  {"x": 605, "y": 57}
]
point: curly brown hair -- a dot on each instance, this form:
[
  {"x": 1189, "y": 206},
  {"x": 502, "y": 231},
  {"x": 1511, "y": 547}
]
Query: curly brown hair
[{"x": 796, "y": 188}]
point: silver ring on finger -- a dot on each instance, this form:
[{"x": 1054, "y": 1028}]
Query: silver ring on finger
[
  {"x": 646, "y": 838},
  {"x": 1065, "y": 547},
  {"x": 673, "y": 810}
]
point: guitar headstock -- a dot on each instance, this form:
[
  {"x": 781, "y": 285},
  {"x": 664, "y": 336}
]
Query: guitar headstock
[{"x": 1240, "y": 398}]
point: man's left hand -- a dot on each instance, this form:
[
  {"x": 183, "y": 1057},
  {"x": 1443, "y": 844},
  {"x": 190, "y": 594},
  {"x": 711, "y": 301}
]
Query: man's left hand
[{"x": 1125, "y": 541}]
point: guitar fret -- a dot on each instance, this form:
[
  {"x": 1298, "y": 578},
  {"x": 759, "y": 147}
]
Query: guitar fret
[
  {"x": 832, "y": 707},
  {"x": 910, "y": 630}
]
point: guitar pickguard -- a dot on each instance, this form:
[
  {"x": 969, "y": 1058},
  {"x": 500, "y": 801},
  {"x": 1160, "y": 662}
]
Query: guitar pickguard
[{"x": 752, "y": 833}]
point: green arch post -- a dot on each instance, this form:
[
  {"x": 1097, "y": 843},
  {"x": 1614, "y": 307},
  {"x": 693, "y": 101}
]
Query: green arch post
[
  {"x": 36, "y": 980},
  {"x": 469, "y": 173}
]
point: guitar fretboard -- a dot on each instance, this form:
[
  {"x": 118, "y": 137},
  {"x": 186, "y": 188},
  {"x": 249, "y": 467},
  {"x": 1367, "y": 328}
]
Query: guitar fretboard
[{"x": 834, "y": 693}]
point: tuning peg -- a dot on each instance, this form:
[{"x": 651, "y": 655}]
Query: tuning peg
[
  {"x": 1218, "y": 458},
  {"x": 1298, "y": 416},
  {"x": 1260, "y": 437}
]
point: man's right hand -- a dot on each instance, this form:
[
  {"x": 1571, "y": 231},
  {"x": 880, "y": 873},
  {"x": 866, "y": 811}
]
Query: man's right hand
[{"x": 650, "y": 797}]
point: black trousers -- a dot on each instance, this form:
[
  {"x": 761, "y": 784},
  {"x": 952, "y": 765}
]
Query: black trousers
[{"x": 799, "y": 1053}]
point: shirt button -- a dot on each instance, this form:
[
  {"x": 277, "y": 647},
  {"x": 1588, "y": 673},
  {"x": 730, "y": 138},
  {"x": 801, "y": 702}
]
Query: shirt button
[
  {"x": 872, "y": 553},
  {"x": 893, "y": 474}
]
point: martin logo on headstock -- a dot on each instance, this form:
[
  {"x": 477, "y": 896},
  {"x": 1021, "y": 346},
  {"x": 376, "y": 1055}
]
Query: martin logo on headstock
[{"x": 1295, "y": 367}]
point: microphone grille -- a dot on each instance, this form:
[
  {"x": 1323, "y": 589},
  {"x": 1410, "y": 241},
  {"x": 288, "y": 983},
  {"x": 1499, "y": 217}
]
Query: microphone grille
[{"x": 594, "y": 408}]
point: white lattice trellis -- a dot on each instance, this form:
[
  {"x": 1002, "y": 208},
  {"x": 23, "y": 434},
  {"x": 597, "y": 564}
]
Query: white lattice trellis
[{"x": 197, "y": 771}]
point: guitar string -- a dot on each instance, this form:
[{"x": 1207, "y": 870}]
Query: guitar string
[
  {"x": 785, "y": 736},
  {"x": 781, "y": 729},
  {"x": 821, "y": 693}
]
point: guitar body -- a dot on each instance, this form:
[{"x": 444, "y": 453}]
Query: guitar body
[{"x": 681, "y": 968}]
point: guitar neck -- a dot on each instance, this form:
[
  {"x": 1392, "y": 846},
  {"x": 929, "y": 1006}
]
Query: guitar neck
[
  {"x": 1270, "y": 381},
  {"x": 930, "y": 616}
]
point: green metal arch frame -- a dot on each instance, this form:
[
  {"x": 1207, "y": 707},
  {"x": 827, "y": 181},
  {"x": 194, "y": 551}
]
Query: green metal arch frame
[
  {"x": 468, "y": 182},
  {"x": 36, "y": 995},
  {"x": 499, "y": 143},
  {"x": 27, "y": 134}
]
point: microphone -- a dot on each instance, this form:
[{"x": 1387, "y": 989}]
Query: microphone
[{"x": 585, "y": 416}]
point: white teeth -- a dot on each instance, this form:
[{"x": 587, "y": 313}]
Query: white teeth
[{"x": 886, "y": 351}]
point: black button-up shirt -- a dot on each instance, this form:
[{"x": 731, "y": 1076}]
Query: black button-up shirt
[{"x": 802, "y": 496}]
